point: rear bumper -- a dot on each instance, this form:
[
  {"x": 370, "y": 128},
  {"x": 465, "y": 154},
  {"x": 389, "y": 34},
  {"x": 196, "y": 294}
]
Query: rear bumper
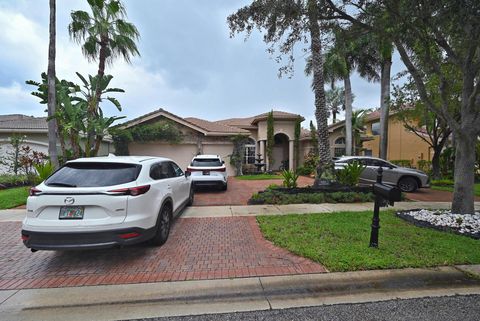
[{"x": 84, "y": 240}]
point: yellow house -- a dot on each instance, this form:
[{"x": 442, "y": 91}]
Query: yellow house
[{"x": 402, "y": 143}]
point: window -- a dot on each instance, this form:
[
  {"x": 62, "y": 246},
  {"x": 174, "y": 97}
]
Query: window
[
  {"x": 162, "y": 171},
  {"x": 94, "y": 174},
  {"x": 367, "y": 152},
  {"x": 339, "y": 151},
  {"x": 206, "y": 162},
  {"x": 376, "y": 128},
  {"x": 340, "y": 141},
  {"x": 178, "y": 171},
  {"x": 250, "y": 148}
]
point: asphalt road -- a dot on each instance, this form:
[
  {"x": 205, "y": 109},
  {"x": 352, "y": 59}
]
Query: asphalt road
[{"x": 461, "y": 308}]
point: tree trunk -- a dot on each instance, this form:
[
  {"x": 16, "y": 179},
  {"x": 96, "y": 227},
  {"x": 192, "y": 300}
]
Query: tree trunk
[
  {"x": 348, "y": 116},
  {"x": 321, "y": 112},
  {"x": 384, "y": 106},
  {"x": 51, "y": 81},
  {"x": 436, "y": 173},
  {"x": 463, "y": 196}
]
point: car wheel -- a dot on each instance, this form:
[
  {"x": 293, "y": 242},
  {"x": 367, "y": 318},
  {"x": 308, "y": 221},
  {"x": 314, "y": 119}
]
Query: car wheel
[
  {"x": 224, "y": 187},
  {"x": 163, "y": 226},
  {"x": 191, "y": 197},
  {"x": 408, "y": 184}
]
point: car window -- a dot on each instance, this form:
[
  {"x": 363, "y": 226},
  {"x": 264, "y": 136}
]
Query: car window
[
  {"x": 178, "y": 171},
  {"x": 94, "y": 174},
  {"x": 206, "y": 162},
  {"x": 161, "y": 171}
]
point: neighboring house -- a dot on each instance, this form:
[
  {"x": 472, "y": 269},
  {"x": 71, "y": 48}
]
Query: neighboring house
[
  {"x": 402, "y": 143},
  {"x": 215, "y": 137},
  {"x": 35, "y": 132}
]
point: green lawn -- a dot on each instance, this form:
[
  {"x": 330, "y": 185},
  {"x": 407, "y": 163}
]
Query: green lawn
[
  {"x": 13, "y": 197},
  {"x": 340, "y": 241},
  {"x": 259, "y": 177},
  {"x": 450, "y": 188}
]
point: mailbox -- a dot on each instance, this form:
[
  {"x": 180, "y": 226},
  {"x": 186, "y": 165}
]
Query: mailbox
[{"x": 389, "y": 193}]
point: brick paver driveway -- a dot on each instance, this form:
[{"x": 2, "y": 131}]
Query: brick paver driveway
[
  {"x": 239, "y": 191},
  {"x": 198, "y": 248},
  {"x": 431, "y": 195}
]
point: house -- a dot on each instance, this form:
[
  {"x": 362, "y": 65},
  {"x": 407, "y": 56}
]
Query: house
[
  {"x": 35, "y": 134},
  {"x": 402, "y": 143},
  {"x": 201, "y": 136}
]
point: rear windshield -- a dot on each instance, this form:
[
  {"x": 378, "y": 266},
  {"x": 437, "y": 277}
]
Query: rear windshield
[
  {"x": 206, "y": 162},
  {"x": 93, "y": 175}
]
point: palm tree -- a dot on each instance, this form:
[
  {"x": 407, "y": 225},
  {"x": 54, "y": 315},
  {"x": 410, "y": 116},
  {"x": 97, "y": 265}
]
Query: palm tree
[
  {"x": 385, "y": 57},
  {"x": 105, "y": 36},
  {"x": 358, "y": 127},
  {"x": 52, "y": 132}
]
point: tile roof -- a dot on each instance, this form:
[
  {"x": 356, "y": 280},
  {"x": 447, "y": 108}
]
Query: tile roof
[
  {"x": 248, "y": 122},
  {"x": 18, "y": 122},
  {"x": 215, "y": 126}
]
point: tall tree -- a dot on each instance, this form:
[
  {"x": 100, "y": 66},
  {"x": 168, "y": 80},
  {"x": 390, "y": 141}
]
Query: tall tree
[
  {"x": 52, "y": 102},
  {"x": 433, "y": 36},
  {"x": 314, "y": 138},
  {"x": 287, "y": 23},
  {"x": 104, "y": 36}
]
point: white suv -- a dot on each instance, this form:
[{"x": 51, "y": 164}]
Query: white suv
[
  {"x": 101, "y": 202},
  {"x": 208, "y": 170}
]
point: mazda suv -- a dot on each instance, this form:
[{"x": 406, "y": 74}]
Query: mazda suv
[{"x": 102, "y": 202}]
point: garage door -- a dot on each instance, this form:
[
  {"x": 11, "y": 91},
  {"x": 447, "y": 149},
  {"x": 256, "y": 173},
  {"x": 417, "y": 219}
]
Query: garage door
[
  {"x": 224, "y": 151},
  {"x": 182, "y": 154}
]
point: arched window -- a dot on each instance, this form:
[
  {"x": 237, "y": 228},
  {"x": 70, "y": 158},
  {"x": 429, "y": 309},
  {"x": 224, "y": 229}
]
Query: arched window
[
  {"x": 340, "y": 141},
  {"x": 250, "y": 148}
]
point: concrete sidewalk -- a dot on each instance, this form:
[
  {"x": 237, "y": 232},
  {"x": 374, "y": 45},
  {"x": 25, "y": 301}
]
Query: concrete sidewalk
[
  {"x": 232, "y": 295},
  {"x": 254, "y": 210}
]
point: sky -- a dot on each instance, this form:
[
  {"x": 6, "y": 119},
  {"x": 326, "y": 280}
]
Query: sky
[{"x": 189, "y": 65}]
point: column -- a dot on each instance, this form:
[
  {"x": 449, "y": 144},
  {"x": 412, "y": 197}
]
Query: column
[
  {"x": 262, "y": 151},
  {"x": 290, "y": 155}
]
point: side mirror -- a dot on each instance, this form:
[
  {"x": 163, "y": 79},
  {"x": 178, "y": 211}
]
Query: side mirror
[
  {"x": 223, "y": 162},
  {"x": 188, "y": 173}
]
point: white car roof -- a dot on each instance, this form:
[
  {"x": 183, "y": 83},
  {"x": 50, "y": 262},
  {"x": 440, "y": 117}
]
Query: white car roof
[
  {"x": 206, "y": 156},
  {"x": 359, "y": 157},
  {"x": 119, "y": 159}
]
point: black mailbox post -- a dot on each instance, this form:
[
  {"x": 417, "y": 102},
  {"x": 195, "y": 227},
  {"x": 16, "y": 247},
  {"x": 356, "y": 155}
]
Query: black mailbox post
[{"x": 383, "y": 194}]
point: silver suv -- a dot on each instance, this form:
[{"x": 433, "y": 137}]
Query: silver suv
[{"x": 407, "y": 179}]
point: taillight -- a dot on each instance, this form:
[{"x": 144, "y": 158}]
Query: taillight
[
  {"x": 133, "y": 191},
  {"x": 34, "y": 191},
  {"x": 129, "y": 235},
  {"x": 25, "y": 237}
]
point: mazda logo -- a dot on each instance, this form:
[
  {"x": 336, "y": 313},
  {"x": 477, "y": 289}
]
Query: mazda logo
[{"x": 69, "y": 200}]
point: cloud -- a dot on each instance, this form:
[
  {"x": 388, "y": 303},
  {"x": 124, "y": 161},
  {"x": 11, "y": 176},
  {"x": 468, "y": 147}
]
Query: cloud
[{"x": 19, "y": 101}]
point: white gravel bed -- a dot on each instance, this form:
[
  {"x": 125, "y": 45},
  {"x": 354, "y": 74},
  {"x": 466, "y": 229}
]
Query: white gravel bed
[{"x": 468, "y": 224}]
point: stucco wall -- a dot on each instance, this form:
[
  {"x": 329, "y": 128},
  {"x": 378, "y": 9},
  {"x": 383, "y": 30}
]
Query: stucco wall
[{"x": 402, "y": 144}]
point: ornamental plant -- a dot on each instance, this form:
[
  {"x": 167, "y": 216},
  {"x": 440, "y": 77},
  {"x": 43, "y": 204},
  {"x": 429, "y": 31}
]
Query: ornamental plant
[
  {"x": 289, "y": 178},
  {"x": 350, "y": 174}
]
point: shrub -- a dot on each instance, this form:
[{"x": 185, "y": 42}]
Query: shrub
[
  {"x": 44, "y": 170},
  {"x": 8, "y": 180},
  {"x": 272, "y": 187},
  {"x": 289, "y": 178},
  {"x": 311, "y": 161},
  {"x": 442, "y": 182},
  {"x": 350, "y": 174},
  {"x": 249, "y": 169},
  {"x": 424, "y": 165},
  {"x": 278, "y": 197},
  {"x": 304, "y": 171},
  {"x": 402, "y": 163}
]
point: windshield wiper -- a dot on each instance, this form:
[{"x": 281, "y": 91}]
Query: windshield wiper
[{"x": 61, "y": 184}]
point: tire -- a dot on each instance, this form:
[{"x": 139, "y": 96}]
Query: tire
[
  {"x": 163, "y": 225},
  {"x": 191, "y": 197},
  {"x": 224, "y": 187},
  {"x": 408, "y": 184}
]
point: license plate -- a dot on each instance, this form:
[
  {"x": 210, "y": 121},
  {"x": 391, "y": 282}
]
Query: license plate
[
  {"x": 206, "y": 172},
  {"x": 71, "y": 212}
]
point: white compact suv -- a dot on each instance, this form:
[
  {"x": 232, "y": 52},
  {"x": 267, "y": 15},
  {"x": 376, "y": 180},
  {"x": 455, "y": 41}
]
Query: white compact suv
[
  {"x": 102, "y": 202},
  {"x": 208, "y": 170}
]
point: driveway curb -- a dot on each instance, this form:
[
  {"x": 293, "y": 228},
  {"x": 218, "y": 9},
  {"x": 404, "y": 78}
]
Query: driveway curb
[{"x": 232, "y": 295}]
